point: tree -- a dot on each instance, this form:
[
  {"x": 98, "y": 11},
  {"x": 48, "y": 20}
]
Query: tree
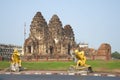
[{"x": 116, "y": 55}]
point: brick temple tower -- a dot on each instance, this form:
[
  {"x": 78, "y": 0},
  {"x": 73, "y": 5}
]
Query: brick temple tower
[{"x": 48, "y": 39}]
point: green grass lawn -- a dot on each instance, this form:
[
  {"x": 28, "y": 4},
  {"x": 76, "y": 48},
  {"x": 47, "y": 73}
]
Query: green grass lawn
[
  {"x": 4, "y": 64},
  {"x": 97, "y": 65},
  {"x": 47, "y": 65},
  {"x": 105, "y": 66}
]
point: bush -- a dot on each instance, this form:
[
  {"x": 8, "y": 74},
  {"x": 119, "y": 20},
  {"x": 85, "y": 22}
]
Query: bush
[{"x": 116, "y": 55}]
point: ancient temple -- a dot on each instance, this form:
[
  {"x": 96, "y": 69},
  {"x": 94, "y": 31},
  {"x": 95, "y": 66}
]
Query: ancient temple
[
  {"x": 48, "y": 39},
  {"x": 54, "y": 39}
]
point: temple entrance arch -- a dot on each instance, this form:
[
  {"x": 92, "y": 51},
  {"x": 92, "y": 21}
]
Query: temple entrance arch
[{"x": 29, "y": 49}]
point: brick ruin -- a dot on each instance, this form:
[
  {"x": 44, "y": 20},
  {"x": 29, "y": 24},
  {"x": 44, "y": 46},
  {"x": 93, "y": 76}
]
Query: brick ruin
[
  {"x": 104, "y": 52},
  {"x": 49, "y": 39}
]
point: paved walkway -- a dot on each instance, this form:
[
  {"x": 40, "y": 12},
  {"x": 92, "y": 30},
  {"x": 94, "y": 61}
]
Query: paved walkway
[{"x": 81, "y": 73}]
